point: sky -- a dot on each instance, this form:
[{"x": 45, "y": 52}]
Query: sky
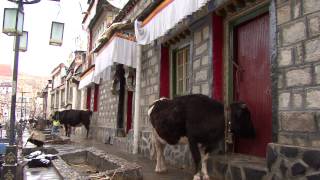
[{"x": 41, "y": 58}]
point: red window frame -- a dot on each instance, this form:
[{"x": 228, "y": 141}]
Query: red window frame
[
  {"x": 96, "y": 98},
  {"x": 89, "y": 98}
]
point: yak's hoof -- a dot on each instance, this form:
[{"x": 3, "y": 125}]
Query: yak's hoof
[
  {"x": 205, "y": 177},
  {"x": 196, "y": 177},
  {"x": 160, "y": 170}
]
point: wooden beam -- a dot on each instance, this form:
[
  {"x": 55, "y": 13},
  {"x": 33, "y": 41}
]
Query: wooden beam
[
  {"x": 221, "y": 12},
  {"x": 182, "y": 35},
  {"x": 166, "y": 44},
  {"x": 250, "y": 1},
  {"x": 177, "y": 39},
  {"x": 239, "y": 3},
  {"x": 187, "y": 32},
  {"x": 230, "y": 8},
  {"x": 171, "y": 41}
]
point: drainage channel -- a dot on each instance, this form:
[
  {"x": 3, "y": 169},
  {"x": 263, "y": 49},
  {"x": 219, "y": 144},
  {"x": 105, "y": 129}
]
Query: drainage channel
[
  {"x": 81, "y": 163},
  {"x": 49, "y": 173},
  {"x": 78, "y": 162}
]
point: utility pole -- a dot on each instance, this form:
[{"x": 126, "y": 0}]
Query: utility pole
[
  {"x": 23, "y": 104},
  {"x": 21, "y": 113}
]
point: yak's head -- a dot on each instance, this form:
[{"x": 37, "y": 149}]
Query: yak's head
[
  {"x": 57, "y": 115},
  {"x": 241, "y": 124}
]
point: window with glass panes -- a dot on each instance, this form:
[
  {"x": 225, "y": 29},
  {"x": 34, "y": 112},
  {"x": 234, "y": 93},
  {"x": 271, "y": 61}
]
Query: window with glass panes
[
  {"x": 180, "y": 71},
  {"x": 62, "y": 98}
]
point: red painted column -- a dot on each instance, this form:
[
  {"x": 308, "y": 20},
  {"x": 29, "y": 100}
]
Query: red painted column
[
  {"x": 217, "y": 57},
  {"x": 129, "y": 111},
  {"x": 88, "y": 98},
  {"x": 164, "y": 72}
]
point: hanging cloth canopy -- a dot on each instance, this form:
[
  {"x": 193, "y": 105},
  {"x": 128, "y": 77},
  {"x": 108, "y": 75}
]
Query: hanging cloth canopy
[
  {"x": 121, "y": 48},
  {"x": 86, "y": 79},
  {"x": 164, "y": 17}
]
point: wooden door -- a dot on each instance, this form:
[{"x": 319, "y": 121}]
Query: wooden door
[
  {"x": 129, "y": 111},
  {"x": 252, "y": 82}
]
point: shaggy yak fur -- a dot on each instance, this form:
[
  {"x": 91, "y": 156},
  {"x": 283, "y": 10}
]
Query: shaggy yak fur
[{"x": 199, "y": 120}]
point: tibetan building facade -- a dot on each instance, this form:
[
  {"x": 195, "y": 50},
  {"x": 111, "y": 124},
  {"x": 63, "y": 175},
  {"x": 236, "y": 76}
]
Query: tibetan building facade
[{"x": 262, "y": 52}]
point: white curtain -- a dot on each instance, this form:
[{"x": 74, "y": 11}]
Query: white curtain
[
  {"x": 119, "y": 50},
  {"x": 85, "y": 81},
  {"x": 166, "y": 19}
]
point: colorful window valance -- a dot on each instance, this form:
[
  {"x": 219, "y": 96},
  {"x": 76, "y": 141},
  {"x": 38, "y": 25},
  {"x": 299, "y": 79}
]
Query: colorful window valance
[
  {"x": 163, "y": 18},
  {"x": 120, "y": 49}
]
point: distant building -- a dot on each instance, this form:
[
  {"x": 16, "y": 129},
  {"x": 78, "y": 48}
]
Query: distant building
[
  {"x": 5, "y": 94},
  {"x": 5, "y": 91},
  {"x": 62, "y": 89},
  {"x": 27, "y": 84},
  {"x": 5, "y": 72}
]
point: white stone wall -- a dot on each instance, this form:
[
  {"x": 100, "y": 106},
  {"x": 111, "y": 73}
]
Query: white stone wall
[
  {"x": 201, "y": 61},
  {"x": 298, "y": 24},
  {"x": 104, "y": 122},
  {"x": 200, "y": 81},
  {"x": 150, "y": 76}
]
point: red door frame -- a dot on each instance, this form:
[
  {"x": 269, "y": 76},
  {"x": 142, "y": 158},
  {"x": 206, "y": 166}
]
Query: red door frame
[
  {"x": 261, "y": 113},
  {"x": 96, "y": 98},
  {"x": 217, "y": 58},
  {"x": 89, "y": 98},
  {"x": 129, "y": 111},
  {"x": 164, "y": 72}
]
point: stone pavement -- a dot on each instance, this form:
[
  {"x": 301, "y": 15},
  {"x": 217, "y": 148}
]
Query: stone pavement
[{"x": 146, "y": 164}]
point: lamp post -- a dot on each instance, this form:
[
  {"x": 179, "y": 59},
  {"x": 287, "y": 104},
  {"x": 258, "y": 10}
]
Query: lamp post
[{"x": 13, "y": 26}]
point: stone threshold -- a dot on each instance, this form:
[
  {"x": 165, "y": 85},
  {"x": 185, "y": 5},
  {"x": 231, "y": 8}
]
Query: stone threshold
[{"x": 237, "y": 167}]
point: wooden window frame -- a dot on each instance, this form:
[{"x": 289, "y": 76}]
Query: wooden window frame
[{"x": 186, "y": 69}]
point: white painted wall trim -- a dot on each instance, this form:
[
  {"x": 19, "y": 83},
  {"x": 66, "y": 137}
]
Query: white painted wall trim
[{"x": 137, "y": 103}]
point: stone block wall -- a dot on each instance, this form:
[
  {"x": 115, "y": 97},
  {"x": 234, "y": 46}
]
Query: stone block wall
[
  {"x": 202, "y": 59},
  {"x": 299, "y": 71},
  {"x": 293, "y": 162},
  {"x": 150, "y": 80},
  {"x": 104, "y": 122},
  {"x": 200, "y": 76}
]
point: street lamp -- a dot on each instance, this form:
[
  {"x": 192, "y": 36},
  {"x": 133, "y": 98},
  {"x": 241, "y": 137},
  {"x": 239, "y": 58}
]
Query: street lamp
[
  {"x": 23, "y": 46},
  {"x": 13, "y": 26},
  {"x": 56, "y": 35},
  {"x": 13, "y": 21}
]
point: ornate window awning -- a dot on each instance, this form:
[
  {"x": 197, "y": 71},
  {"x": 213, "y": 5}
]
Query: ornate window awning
[
  {"x": 164, "y": 17},
  {"x": 121, "y": 48},
  {"x": 86, "y": 79}
]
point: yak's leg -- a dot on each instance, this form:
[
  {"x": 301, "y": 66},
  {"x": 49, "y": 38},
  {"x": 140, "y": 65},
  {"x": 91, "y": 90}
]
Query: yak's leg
[
  {"x": 87, "y": 126},
  {"x": 69, "y": 130},
  {"x": 204, "y": 160},
  {"x": 161, "y": 166},
  {"x": 159, "y": 146},
  {"x": 153, "y": 146},
  {"x": 196, "y": 158},
  {"x": 66, "y": 129}
]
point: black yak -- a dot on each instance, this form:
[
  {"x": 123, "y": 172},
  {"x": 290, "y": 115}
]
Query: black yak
[{"x": 199, "y": 120}]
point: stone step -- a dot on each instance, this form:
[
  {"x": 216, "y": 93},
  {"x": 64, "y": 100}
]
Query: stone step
[
  {"x": 49, "y": 136},
  {"x": 237, "y": 167}
]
